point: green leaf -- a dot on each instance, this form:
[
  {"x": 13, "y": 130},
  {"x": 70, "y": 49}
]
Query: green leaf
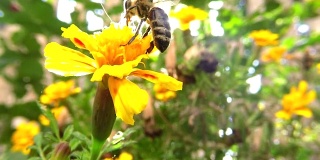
[
  {"x": 271, "y": 5},
  {"x": 34, "y": 158},
  {"x": 74, "y": 143},
  {"x": 36, "y": 148},
  {"x": 50, "y": 136},
  {"x": 53, "y": 122},
  {"x": 47, "y": 147},
  {"x": 13, "y": 156},
  {"x": 82, "y": 138},
  {"x": 68, "y": 132},
  {"x": 288, "y": 42},
  {"x": 38, "y": 140},
  {"x": 30, "y": 70},
  {"x": 6, "y": 128},
  {"x": 9, "y": 57},
  {"x": 29, "y": 110},
  {"x": 304, "y": 153},
  {"x": 19, "y": 88}
]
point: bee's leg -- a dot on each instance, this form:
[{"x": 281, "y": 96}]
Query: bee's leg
[
  {"x": 137, "y": 32},
  {"x": 150, "y": 48},
  {"x": 147, "y": 31},
  {"x": 151, "y": 43}
]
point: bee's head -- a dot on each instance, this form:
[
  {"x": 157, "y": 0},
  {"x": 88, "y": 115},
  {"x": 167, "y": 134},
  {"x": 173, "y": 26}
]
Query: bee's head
[{"x": 127, "y": 4}]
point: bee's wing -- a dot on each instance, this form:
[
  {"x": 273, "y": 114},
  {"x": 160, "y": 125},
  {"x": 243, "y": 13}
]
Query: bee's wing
[{"x": 166, "y": 2}]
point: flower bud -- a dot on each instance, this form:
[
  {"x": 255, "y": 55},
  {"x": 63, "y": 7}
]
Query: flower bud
[
  {"x": 208, "y": 63},
  {"x": 61, "y": 152},
  {"x": 104, "y": 114},
  {"x": 103, "y": 118}
]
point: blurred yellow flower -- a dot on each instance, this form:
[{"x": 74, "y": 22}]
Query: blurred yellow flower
[
  {"x": 58, "y": 112},
  {"x": 56, "y": 92},
  {"x": 295, "y": 103},
  {"x": 264, "y": 37},
  {"x": 113, "y": 61},
  {"x": 122, "y": 156},
  {"x": 22, "y": 138},
  {"x": 125, "y": 156},
  {"x": 188, "y": 14},
  {"x": 273, "y": 54},
  {"x": 318, "y": 67},
  {"x": 162, "y": 93}
]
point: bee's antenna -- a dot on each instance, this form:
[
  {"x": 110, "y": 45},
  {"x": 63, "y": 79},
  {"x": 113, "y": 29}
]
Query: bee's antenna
[{"x": 106, "y": 12}]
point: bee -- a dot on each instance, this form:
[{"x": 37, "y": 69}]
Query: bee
[{"x": 155, "y": 17}]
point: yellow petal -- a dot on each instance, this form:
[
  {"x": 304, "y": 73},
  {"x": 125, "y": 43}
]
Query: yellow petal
[
  {"x": 303, "y": 86},
  {"x": 306, "y": 112},
  {"x": 79, "y": 38},
  {"x": 119, "y": 71},
  {"x": 318, "y": 68},
  {"x": 44, "y": 99},
  {"x": 67, "y": 62},
  {"x": 128, "y": 98},
  {"x": 311, "y": 96},
  {"x": 44, "y": 120},
  {"x": 283, "y": 114},
  {"x": 100, "y": 58},
  {"x": 125, "y": 156},
  {"x": 159, "y": 78}
]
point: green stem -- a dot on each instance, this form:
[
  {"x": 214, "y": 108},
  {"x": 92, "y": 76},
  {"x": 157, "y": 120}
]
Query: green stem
[
  {"x": 254, "y": 55},
  {"x": 96, "y": 148},
  {"x": 41, "y": 154}
]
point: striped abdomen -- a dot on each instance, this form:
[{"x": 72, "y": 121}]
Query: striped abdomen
[{"x": 160, "y": 28}]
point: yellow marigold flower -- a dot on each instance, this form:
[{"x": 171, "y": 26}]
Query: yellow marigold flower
[
  {"x": 58, "y": 112},
  {"x": 188, "y": 14},
  {"x": 22, "y": 138},
  {"x": 273, "y": 54},
  {"x": 264, "y": 37},
  {"x": 122, "y": 156},
  {"x": 125, "y": 156},
  {"x": 162, "y": 93},
  {"x": 318, "y": 67},
  {"x": 56, "y": 92},
  {"x": 113, "y": 61},
  {"x": 295, "y": 103}
]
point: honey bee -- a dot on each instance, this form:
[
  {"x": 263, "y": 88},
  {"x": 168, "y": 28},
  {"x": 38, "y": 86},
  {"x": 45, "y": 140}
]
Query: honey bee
[{"x": 155, "y": 17}]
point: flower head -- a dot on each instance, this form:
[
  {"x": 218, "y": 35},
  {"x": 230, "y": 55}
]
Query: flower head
[
  {"x": 22, "y": 138},
  {"x": 113, "y": 60},
  {"x": 295, "y": 103},
  {"x": 162, "y": 93},
  {"x": 56, "y": 92},
  {"x": 188, "y": 14},
  {"x": 273, "y": 54},
  {"x": 264, "y": 37}
]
